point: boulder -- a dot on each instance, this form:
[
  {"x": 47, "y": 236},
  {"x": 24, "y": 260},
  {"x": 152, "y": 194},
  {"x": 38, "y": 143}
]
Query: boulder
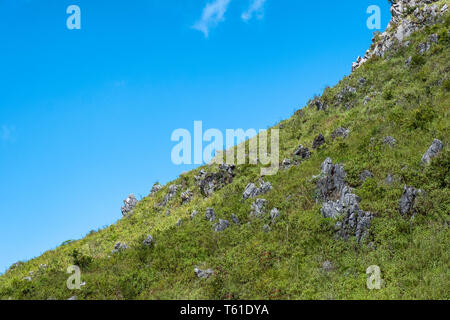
[
  {"x": 186, "y": 197},
  {"x": 340, "y": 133},
  {"x": 210, "y": 215},
  {"x": 302, "y": 152},
  {"x": 203, "y": 274},
  {"x": 129, "y": 204},
  {"x": 148, "y": 241},
  {"x": 222, "y": 225},
  {"x": 251, "y": 191},
  {"x": 408, "y": 199},
  {"x": 318, "y": 141},
  {"x": 433, "y": 151},
  {"x": 119, "y": 246},
  {"x": 390, "y": 141}
]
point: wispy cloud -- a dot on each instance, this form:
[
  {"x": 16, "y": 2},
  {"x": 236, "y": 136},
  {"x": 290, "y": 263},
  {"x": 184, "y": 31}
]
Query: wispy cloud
[
  {"x": 212, "y": 15},
  {"x": 256, "y": 8},
  {"x": 6, "y": 133}
]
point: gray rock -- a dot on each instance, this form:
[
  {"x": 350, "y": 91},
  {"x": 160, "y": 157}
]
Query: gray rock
[
  {"x": 266, "y": 228},
  {"x": 366, "y": 174},
  {"x": 362, "y": 81},
  {"x": 210, "y": 215},
  {"x": 302, "y": 152},
  {"x": 340, "y": 133},
  {"x": 389, "y": 179},
  {"x": 156, "y": 188},
  {"x": 286, "y": 164},
  {"x": 222, "y": 225},
  {"x": 408, "y": 61},
  {"x": 119, "y": 246},
  {"x": 148, "y": 241},
  {"x": 179, "y": 222},
  {"x": 186, "y": 197},
  {"x": 129, "y": 204},
  {"x": 434, "y": 38},
  {"x": 327, "y": 266},
  {"x": 203, "y": 274},
  {"x": 366, "y": 100},
  {"x": 331, "y": 181},
  {"x": 424, "y": 47},
  {"x": 235, "y": 219},
  {"x": 318, "y": 141},
  {"x": 173, "y": 189},
  {"x": 258, "y": 208},
  {"x": 194, "y": 214},
  {"x": 390, "y": 141},
  {"x": 251, "y": 191},
  {"x": 274, "y": 214},
  {"x": 433, "y": 151},
  {"x": 211, "y": 182},
  {"x": 319, "y": 105},
  {"x": 408, "y": 199}
]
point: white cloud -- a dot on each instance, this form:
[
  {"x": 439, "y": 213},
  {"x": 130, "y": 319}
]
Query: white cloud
[
  {"x": 212, "y": 15},
  {"x": 256, "y": 8}
]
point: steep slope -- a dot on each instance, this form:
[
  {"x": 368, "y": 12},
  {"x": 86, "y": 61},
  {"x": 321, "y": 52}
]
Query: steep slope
[{"x": 365, "y": 196}]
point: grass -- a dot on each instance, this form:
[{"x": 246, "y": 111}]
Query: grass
[{"x": 410, "y": 103}]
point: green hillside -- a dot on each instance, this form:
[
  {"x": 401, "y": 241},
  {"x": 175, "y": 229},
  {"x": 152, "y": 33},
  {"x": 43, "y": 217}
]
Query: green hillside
[{"x": 377, "y": 123}]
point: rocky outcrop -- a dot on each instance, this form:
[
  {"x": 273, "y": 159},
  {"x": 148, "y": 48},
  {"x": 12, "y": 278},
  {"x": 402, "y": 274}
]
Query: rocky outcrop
[
  {"x": 433, "y": 151},
  {"x": 408, "y": 16},
  {"x": 129, "y": 204},
  {"x": 351, "y": 220},
  {"x": 186, "y": 197},
  {"x": 331, "y": 181},
  {"x": 173, "y": 189},
  {"x": 252, "y": 191},
  {"x": 155, "y": 189},
  {"x": 211, "y": 182}
]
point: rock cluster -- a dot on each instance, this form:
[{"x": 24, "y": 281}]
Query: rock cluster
[
  {"x": 252, "y": 191},
  {"x": 186, "y": 197},
  {"x": 210, "y": 215},
  {"x": 129, "y": 204},
  {"x": 119, "y": 246},
  {"x": 222, "y": 225},
  {"x": 352, "y": 221},
  {"x": 211, "y": 182},
  {"x": 155, "y": 189},
  {"x": 302, "y": 152},
  {"x": 258, "y": 208},
  {"x": 173, "y": 189},
  {"x": 401, "y": 26}
]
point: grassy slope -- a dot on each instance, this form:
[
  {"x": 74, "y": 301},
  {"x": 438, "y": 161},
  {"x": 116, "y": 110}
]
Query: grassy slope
[{"x": 409, "y": 103}]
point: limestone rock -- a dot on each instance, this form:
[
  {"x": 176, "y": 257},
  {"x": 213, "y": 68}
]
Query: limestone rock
[
  {"x": 129, "y": 204},
  {"x": 433, "y": 151}
]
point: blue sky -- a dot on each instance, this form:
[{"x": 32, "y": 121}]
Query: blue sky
[{"x": 86, "y": 115}]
